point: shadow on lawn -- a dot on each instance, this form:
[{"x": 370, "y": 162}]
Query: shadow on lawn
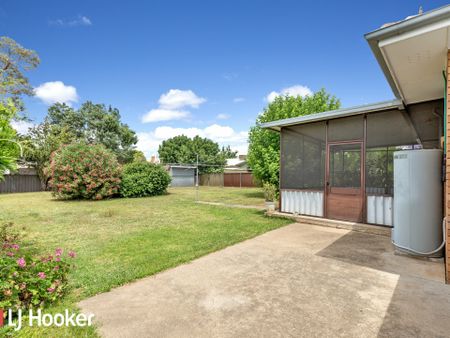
[{"x": 253, "y": 194}]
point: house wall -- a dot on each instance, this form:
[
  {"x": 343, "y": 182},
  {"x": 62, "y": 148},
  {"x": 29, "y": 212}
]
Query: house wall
[{"x": 447, "y": 170}]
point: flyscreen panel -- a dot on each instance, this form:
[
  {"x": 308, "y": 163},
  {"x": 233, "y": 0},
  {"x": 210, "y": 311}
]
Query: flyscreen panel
[{"x": 303, "y": 156}]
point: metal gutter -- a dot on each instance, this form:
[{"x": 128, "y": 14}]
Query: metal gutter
[
  {"x": 333, "y": 114},
  {"x": 373, "y": 38}
]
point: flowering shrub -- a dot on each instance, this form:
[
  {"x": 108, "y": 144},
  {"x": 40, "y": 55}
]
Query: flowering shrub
[
  {"x": 141, "y": 179},
  {"x": 81, "y": 171},
  {"x": 27, "y": 281}
]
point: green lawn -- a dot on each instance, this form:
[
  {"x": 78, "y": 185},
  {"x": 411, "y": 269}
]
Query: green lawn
[
  {"x": 244, "y": 196},
  {"x": 120, "y": 240}
]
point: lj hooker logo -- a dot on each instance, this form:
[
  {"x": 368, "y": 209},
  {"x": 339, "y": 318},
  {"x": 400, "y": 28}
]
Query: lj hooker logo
[{"x": 40, "y": 319}]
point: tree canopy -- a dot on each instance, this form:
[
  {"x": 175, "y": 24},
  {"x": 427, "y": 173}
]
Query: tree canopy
[
  {"x": 14, "y": 61},
  {"x": 95, "y": 123},
  {"x": 264, "y": 145},
  {"x": 183, "y": 150},
  {"x": 9, "y": 147},
  {"x": 91, "y": 124}
]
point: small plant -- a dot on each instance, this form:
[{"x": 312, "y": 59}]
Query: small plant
[
  {"x": 28, "y": 281},
  {"x": 8, "y": 233},
  {"x": 270, "y": 192},
  {"x": 141, "y": 179},
  {"x": 81, "y": 171}
]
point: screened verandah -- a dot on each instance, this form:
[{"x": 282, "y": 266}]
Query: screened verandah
[{"x": 342, "y": 168}]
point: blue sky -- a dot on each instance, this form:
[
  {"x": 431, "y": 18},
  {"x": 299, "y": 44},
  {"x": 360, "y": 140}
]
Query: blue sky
[{"x": 203, "y": 67}]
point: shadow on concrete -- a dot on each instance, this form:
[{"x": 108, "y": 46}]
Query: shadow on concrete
[{"x": 420, "y": 303}]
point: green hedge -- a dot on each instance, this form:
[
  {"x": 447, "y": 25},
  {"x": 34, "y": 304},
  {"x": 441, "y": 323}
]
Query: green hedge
[{"x": 141, "y": 179}]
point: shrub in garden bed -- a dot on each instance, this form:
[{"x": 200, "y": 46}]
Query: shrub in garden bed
[
  {"x": 141, "y": 179},
  {"x": 82, "y": 171},
  {"x": 29, "y": 281}
]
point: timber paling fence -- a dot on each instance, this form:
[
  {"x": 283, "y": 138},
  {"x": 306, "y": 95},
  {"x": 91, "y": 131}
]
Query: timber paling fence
[
  {"x": 26, "y": 180},
  {"x": 242, "y": 180}
]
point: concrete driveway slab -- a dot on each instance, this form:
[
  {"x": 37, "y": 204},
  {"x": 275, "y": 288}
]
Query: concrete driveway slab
[{"x": 300, "y": 280}]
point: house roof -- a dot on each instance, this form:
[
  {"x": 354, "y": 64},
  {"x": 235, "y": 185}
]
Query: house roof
[
  {"x": 333, "y": 114},
  {"x": 231, "y": 162},
  {"x": 412, "y": 54}
]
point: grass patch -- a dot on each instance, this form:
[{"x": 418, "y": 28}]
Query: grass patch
[{"x": 120, "y": 240}]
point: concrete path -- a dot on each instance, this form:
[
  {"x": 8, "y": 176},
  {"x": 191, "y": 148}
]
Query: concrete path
[{"x": 300, "y": 280}]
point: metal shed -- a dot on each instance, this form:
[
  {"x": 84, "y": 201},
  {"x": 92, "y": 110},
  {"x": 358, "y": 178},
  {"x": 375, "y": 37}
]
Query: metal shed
[{"x": 182, "y": 175}]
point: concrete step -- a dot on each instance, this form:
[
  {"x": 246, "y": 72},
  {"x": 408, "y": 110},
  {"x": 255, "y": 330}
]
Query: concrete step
[{"x": 331, "y": 223}]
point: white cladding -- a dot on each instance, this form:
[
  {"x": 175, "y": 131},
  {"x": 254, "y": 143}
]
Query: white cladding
[
  {"x": 302, "y": 202},
  {"x": 379, "y": 209}
]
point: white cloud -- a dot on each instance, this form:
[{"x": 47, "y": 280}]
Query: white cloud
[
  {"x": 171, "y": 106},
  {"x": 238, "y": 99},
  {"x": 148, "y": 142},
  {"x": 22, "y": 126},
  {"x": 81, "y": 20},
  {"x": 156, "y": 115},
  {"x": 176, "y": 98},
  {"x": 297, "y": 90},
  {"x": 223, "y": 116},
  {"x": 56, "y": 91}
]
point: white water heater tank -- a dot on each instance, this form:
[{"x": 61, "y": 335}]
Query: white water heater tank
[{"x": 418, "y": 199}]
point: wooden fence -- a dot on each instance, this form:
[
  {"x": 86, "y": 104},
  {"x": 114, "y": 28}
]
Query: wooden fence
[
  {"x": 26, "y": 180},
  {"x": 242, "y": 180},
  {"x": 211, "y": 180}
]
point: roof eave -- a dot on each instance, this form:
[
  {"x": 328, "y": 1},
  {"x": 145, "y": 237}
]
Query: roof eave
[{"x": 373, "y": 38}]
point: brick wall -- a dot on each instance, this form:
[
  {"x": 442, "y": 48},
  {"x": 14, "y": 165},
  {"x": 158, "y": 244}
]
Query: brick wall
[{"x": 447, "y": 169}]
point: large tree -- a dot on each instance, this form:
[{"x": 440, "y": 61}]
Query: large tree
[
  {"x": 264, "y": 145},
  {"x": 184, "y": 150},
  {"x": 15, "y": 60},
  {"x": 91, "y": 124},
  {"x": 95, "y": 123}
]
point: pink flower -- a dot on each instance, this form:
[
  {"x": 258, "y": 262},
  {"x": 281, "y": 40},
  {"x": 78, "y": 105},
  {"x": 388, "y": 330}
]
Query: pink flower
[
  {"x": 58, "y": 252},
  {"x": 72, "y": 254},
  {"x": 15, "y": 246},
  {"x": 56, "y": 268},
  {"x": 10, "y": 254},
  {"x": 58, "y": 259},
  {"x": 51, "y": 290},
  {"x": 41, "y": 275},
  {"x": 21, "y": 262}
]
